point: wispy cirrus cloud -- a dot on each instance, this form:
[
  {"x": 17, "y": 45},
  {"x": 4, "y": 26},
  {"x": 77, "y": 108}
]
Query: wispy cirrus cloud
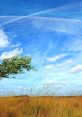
[
  {"x": 15, "y": 45},
  {"x": 64, "y": 64},
  {"x": 12, "y": 53},
  {"x": 56, "y": 57},
  {"x": 4, "y": 39},
  {"x": 76, "y": 69}
]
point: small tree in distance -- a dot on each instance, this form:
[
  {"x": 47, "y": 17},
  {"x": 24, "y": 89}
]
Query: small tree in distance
[{"x": 15, "y": 65}]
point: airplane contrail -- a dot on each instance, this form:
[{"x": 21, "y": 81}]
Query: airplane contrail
[
  {"x": 41, "y": 12},
  {"x": 70, "y": 26}
]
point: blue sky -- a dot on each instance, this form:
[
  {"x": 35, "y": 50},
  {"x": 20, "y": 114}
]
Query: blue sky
[{"x": 54, "y": 40}]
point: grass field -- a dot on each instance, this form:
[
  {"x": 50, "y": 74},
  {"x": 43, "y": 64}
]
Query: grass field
[{"x": 25, "y": 106}]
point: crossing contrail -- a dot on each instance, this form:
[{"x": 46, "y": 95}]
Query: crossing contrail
[
  {"x": 71, "y": 26},
  {"x": 41, "y": 12}
]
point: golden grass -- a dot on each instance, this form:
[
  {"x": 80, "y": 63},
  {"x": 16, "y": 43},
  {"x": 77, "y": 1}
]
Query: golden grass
[{"x": 25, "y": 106}]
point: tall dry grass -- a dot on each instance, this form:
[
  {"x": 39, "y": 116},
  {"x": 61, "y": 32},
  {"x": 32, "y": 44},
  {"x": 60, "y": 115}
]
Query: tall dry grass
[{"x": 25, "y": 106}]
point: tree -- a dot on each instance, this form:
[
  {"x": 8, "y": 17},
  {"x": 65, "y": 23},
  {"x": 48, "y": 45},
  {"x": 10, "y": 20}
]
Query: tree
[{"x": 15, "y": 65}]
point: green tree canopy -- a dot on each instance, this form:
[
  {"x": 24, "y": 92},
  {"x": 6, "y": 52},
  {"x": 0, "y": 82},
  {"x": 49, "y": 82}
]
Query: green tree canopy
[{"x": 15, "y": 65}]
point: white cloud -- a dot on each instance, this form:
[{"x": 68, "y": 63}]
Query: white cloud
[
  {"x": 75, "y": 45},
  {"x": 4, "y": 40},
  {"x": 15, "y": 45},
  {"x": 66, "y": 63},
  {"x": 76, "y": 69},
  {"x": 49, "y": 66},
  {"x": 11, "y": 53},
  {"x": 62, "y": 65},
  {"x": 55, "y": 58}
]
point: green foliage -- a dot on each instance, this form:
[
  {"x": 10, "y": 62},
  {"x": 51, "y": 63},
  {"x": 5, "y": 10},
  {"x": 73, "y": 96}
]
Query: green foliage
[{"x": 15, "y": 65}]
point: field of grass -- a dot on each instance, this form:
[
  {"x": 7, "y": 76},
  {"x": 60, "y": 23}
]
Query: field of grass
[{"x": 25, "y": 106}]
